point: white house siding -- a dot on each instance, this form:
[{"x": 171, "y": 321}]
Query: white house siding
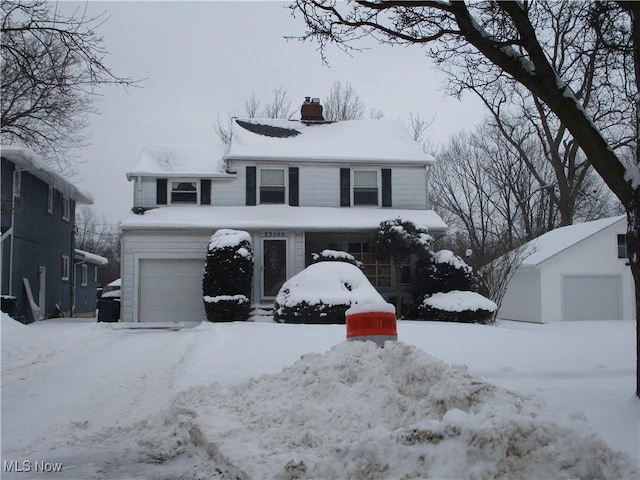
[
  {"x": 230, "y": 192},
  {"x": 409, "y": 187},
  {"x": 522, "y": 300},
  {"x": 319, "y": 186},
  {"x": 145, "y": 193}
]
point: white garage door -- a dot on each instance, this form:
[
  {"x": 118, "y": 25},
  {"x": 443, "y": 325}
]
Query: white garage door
[
  {"x": 171, "y": 290},
  {"x": 592, "y": 297}
]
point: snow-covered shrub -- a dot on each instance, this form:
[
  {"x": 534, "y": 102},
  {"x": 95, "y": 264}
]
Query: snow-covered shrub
[
  {"x": 457, "y": 306},
  {"x": 228, "y": 275},
  {"x": 442, "y": 271},
  {"x": 323, "y": 292},
  {"x": 335, "y": 256}
]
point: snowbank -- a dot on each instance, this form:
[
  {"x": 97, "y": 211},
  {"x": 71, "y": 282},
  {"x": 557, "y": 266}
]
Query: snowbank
[
  {"x": 458, "y": 301},
  {"x": 359, "y": 411}
]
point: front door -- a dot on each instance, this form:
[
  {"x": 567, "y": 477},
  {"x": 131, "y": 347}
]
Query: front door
[{"x": 274, "y": 266}]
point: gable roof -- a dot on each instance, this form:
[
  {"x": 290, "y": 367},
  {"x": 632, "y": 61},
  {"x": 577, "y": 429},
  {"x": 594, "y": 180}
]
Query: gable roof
[
  {"x": 552, "y": 243},
  {"x": 354, "y": 141},
  {"x": 180, "y": 160},
  {"x": 31, "y": 162}
]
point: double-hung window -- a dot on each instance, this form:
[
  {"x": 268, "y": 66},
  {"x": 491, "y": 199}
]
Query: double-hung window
[
  {"x": 184, "y": 191},
  {"x": 273, "y": 185},
  {"x": 366, "y": 187},
  {"x": 50, "y": 200},
  {"x": 84, "y": 275}
]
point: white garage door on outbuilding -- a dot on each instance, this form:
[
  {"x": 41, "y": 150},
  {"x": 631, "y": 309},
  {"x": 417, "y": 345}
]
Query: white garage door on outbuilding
[
  {"x": 171, "y": 290},
  {"x": 592, "y": 297}
]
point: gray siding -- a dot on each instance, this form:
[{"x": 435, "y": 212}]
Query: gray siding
[{"x": 320, "y": 186}]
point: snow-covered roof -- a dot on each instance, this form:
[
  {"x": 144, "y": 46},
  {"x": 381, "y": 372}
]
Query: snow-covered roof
[
  {"x": 31, "y": 162},
  {"x": 180, "y": 160},
  {"x": 90, "y": 257},
  {"x": 277, "y": 217},
  {"x": 560, "y": 239},
  {"x": 355, "y": 141}
]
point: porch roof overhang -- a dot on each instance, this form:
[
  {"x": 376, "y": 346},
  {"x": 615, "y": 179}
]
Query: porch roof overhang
[{"x": 280, "y": 217}]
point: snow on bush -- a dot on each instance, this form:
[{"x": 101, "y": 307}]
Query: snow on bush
[
  {"x": 457, "y": 306},
  {"x": 335, "y": 256},
  {"x": 359, "y": 411},
  {"x": 323, "y": 291},
  {"x": 228, "y": 274}
]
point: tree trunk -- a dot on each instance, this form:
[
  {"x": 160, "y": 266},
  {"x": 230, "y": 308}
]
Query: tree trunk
[{"x": 633, "y": 250}]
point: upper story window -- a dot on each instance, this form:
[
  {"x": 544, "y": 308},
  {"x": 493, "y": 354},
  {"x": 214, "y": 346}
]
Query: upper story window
[
  {"x": 365, "y": 187},
  {"x": 272, "y": 185},
  {"x": 66, "y": 208},
  {"x": 17, "y": 181},
  {"x": 50, "y": 200},
  {"x": 184, "y": 191},
  {"x": 622, "y": 246}
]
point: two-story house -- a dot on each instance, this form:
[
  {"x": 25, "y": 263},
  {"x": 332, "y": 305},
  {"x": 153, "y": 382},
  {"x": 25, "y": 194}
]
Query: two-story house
[
  {"x": 297, "y": 186},
  {"x": 42, "y": 272}
]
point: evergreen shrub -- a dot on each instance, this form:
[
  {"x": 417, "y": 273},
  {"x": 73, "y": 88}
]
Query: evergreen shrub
[{"x": 228, "y": 276}]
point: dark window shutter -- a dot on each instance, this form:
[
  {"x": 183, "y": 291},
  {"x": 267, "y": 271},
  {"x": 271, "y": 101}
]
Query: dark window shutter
[
  {"x": 294, "y": 186},
  {"x": 386, "y": 187},
  {"x": 251, "y": 186},
  {"x": 205, "y": 191},
  {"x": 345, "y": 187},
  {"x": 161, "y": 191}
]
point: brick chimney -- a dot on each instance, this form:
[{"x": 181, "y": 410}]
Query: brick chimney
[{"x": 311, "y": 110}]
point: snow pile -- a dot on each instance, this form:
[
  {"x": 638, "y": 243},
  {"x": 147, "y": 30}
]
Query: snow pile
[
  {"x": 329, "y": 283},
  {"x": 458, "y": 301},
  {"x": 359, "y": 411}
]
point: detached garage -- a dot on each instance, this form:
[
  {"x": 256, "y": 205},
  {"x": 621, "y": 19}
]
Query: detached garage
[{"x": 573, "y": 273}]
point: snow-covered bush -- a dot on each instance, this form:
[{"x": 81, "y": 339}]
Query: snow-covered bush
[
  {"x": 335, "y": 256},
  {"x": 228, "y": 275},
  {"x": 443, "y": 271},
  {"x": 457, "y": 306},
  {"x": 323, "y": 292}
]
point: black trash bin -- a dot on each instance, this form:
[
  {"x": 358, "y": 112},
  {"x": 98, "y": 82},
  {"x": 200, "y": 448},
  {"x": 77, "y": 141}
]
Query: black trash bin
[
  {"x": 108, "y": 310},
  {"x": 9, "y": 305}
]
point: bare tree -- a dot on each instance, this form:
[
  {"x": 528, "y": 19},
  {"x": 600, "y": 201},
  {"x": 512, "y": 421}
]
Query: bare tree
[
  {"x": 504, "y": 39},
  {"x": 280, "y": 106},
  {"x": 343, "y": 103},
  {"x": 51, "y": 66},
  {"x": 95, "y": 235}
]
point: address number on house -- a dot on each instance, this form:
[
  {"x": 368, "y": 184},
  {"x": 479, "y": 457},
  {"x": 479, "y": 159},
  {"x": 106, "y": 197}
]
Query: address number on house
[{"x": 274, "y": 234}]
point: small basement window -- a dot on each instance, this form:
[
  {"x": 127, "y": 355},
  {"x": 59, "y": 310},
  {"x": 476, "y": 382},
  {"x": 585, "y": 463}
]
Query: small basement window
[{"x": 184, "y": 191}]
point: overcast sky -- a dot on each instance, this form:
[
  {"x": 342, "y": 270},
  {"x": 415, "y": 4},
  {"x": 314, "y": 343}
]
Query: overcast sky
[{"x": 202, "y": 60}]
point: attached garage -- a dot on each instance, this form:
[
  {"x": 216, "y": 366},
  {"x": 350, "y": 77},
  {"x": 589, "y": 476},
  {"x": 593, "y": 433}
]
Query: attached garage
[
  {"x": 171, "y": 290},
  {"x": 592, "y": 297}
]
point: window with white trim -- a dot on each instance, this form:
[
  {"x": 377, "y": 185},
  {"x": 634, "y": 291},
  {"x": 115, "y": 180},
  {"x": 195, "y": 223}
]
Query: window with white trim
[
  {"x": 50, "y": 200},
  {"x": 65, "y": 267},
  {"x": 66, "y": 208},
  {"x": 183, "y": 191},
  {"x": 622, "y": 246},
  {"x": 273, "y": 185},
  {"x": 366, "y": 187},
  {"x": 84, "y": 275}
]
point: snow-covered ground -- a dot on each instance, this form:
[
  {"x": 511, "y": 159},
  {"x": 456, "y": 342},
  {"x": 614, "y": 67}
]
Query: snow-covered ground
[{"x": 100, "y": 401}]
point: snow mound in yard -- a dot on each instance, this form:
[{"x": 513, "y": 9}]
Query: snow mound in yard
[{"x": 359, "y": 411}]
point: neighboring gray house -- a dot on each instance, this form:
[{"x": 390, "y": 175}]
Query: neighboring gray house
[
  {"x": 578, "y": 272},
  {"x": 297, "y": 186},
  {"x": 38, "y": 230},
  {"x": 85, "y": 283}
]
